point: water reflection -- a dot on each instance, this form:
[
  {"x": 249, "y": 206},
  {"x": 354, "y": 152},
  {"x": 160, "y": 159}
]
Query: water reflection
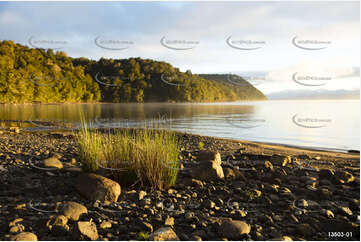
[
  {"x": 300, "y": 123},
  {"x": 114, "y": 112}
]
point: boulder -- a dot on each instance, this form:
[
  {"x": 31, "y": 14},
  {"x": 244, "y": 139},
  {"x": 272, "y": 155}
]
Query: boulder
[
  {"x": 268, "y": 165},
  {"x": 206, "y": 155},
  {"x": 169, "y": 221},
  {"x": 344, "y": 177},
  {"x": 144, "y": 226},
  {"x": 58, "y": 225},
  {"x": 280, "y": 160},
  {"x": 326, "y": 174},
  {"x": 24, "y": 236},
  {"x": 73, "y": 210},
  {"x": 283, "y": 238},
  {"x": 305, "y": 230},
  {"x": 164, "y": 234},
  {"x": 208, "y": 171},
  {"x": 14, "y": 129},
  {"x": 53, "y": 162},
  {"x": 17, "y": 229},
  {"x": 85, "y": 231},
  {"x": 15, "y": 222},
  {"x": 95, "y": 187},
  {"x": 229, "y": 173},
  {"x": 338, "y": 225},
  {"x": 105, "y": 225},
  {"x": 234, "y": 230},
  {"x": 141, "y": 195},
  {"x": 345, "y": 211}
]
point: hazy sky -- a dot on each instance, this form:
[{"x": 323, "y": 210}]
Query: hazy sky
[{"x": 95, "y": 29}]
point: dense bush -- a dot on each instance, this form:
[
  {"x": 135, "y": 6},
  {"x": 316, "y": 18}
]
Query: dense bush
[{"x": 38, "y": 75}]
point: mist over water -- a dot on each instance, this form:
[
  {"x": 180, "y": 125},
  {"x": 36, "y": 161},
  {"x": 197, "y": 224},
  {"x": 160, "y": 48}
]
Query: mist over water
[{"x": 325, "y": 124}]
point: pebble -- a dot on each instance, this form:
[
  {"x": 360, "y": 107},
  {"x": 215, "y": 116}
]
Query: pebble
[{"x": 211, "y": 198}]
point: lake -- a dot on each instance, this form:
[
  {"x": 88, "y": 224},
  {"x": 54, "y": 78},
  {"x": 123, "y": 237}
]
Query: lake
[{"x": 320, "y": 124}]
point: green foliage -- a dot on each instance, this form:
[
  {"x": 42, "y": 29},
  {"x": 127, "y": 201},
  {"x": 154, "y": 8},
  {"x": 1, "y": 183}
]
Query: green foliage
[
  {"x": 36, "y": 75},
  {"x": 89, "y": 148},
  {"x": 242, "y": 89}
]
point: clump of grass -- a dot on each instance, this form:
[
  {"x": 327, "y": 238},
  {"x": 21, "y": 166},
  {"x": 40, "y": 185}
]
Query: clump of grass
[
  {"x": 89, "y": 144},
  {"x": 148, "y": 156}
]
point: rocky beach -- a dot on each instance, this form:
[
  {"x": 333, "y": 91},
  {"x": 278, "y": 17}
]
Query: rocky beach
[{"x": 225, "y": 190}]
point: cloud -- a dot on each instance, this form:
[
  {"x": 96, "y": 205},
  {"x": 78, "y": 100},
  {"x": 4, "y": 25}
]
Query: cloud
[
  {"x": 315, "y": 94},
  {"x": 337, "y": 68},
  {"x": 210, "y": 23}
]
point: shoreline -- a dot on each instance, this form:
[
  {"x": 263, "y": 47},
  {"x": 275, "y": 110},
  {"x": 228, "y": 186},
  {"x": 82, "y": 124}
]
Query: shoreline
[
  {"x": 174, "y": 102},
  {"x": 352, "y": 153},
  {"x": 151, "y": 102},
  {"x": 287, "y": 192}
]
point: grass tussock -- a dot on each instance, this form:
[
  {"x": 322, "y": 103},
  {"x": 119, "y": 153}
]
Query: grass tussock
[{"x": 147, "y": 156}]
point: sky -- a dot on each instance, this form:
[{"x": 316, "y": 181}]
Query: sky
[{"x": 277, "y": 46}]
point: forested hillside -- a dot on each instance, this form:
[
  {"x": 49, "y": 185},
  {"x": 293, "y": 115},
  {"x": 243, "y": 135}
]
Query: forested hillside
[
  {"x": 38, "y": 75},
  {"x": 243, "y": 89}
]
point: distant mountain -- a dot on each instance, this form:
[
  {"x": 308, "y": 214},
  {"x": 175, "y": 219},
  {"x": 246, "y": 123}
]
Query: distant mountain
[
  {"x": 45, "y": 76},
  {"x": 316, "y": 94}
]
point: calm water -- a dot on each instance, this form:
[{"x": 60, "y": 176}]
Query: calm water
[{"x": 318, "y": 124}]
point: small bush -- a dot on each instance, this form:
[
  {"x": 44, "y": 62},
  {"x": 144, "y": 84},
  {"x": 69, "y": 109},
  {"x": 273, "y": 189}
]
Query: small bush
[{"x": 147, "y": 156}]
